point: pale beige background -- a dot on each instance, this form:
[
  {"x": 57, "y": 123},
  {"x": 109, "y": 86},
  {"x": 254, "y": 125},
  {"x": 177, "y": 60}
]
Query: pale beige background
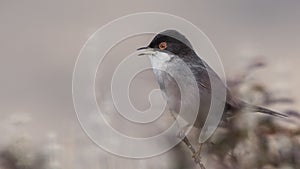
[{"x": 40, "y": 41}]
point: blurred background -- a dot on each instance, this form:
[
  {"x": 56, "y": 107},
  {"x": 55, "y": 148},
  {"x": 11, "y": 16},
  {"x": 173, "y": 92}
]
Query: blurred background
[{"x": 258, "y": 42}]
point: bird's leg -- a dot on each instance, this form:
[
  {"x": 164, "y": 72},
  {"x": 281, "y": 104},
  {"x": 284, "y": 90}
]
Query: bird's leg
[
  {"x": 196, "y": 154},
  {"x": 189, "y": 145},
  {"x": 182, "y": 128},
  {"x": 192, "y": 149}
]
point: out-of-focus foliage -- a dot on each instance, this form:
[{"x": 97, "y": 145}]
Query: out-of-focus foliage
[{"x": 253, "y": 140}]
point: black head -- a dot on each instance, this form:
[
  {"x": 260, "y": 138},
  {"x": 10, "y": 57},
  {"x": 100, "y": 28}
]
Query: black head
[{"x": 171, "y": 41}]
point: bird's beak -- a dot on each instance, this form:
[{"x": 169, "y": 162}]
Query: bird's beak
[
  {"x": 141, "y": 48},
  {"x": 148, "y": 51}
]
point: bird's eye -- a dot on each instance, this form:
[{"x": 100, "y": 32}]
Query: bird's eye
[{"x": 163, "y": 45}]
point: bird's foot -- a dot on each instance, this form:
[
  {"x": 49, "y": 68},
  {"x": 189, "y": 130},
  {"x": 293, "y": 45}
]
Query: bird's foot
[
  {"x": 196, "y": 156},
  {"x": 197, "y": 159}
]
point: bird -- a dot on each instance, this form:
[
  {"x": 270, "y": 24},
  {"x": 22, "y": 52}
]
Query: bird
[{"x": 168, "y": 51}]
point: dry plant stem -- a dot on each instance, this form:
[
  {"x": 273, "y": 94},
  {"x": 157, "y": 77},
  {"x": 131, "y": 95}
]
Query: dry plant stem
[{"x": 189, "y": 145}]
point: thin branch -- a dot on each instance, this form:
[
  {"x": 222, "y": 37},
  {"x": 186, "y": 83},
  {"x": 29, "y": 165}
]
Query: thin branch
[{"x": 189, "y": 145}]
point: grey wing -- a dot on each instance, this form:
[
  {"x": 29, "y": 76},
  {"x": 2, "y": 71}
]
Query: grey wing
[{"x": 206, "y": 78}]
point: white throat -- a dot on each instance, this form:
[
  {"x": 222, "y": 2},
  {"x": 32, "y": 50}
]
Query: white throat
[{"x": 159, "y": 60}]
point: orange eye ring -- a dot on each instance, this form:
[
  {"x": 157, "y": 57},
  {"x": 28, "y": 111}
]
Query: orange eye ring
[{"x": 163, "y": 45}]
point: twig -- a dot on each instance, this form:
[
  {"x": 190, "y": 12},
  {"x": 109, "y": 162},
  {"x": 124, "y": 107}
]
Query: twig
[{"x": 189, "y": 145}]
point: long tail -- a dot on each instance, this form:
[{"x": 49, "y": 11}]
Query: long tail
[{"x": 255, "y": 108}]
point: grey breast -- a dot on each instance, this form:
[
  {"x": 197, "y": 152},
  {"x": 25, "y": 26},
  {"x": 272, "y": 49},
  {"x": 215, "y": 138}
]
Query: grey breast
[{"x": 174, "y": 73}]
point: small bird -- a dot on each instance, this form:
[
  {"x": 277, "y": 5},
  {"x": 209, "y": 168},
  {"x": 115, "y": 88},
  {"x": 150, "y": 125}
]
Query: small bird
[{"x": 167, "y": 51}]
